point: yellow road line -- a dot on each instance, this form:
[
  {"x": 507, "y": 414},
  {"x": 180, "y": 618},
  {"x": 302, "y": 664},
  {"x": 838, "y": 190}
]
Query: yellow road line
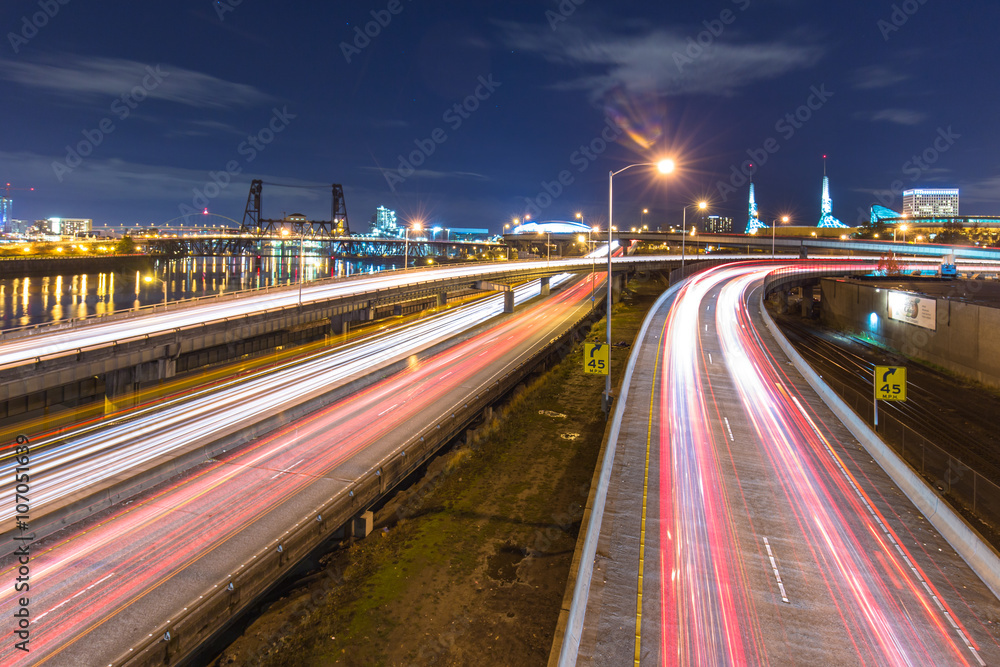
[{"x": 645, "y": 489}]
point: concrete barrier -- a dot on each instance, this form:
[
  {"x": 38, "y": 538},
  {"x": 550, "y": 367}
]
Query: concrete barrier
[{"x": 981, "y": 557}]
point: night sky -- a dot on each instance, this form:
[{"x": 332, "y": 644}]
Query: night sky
[{"x": 490, "y": 103}]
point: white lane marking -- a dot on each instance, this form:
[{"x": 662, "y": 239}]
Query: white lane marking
[
  {"x": 391, "y": 407},
  {"x": 777, "y": 575},
  {"x": 729, "y": 428},
  {"x": 70, "y": 599},
  {"x": 888, "y": 534},
  {"x": 281, "y": 472},
  {"x": 709, "y": 357}
]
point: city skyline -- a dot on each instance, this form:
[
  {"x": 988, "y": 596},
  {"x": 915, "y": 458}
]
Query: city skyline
[{"x": 472, "y": 116}]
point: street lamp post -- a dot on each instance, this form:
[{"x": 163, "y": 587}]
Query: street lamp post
[
  {"x": 406, "y": 243},
  {"x": 665, "y": 167},
  {"x": 774, "y": 223},
  {"x": 702, "y": 206}
]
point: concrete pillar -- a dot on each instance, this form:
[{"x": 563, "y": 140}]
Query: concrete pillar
[
  {"x": 442, "y": 300},
  {"x": 120, "y": 390},
  {"x": 807, "y": 300},
  {"x": 397, "y": 310},
  {"x": 362, "y": 525},
  {"x": 782, "y": 298},
  {"x": 545, "y": 285},
  {"x": 617, "y": 283},
  {"x": 508, "y": 301},
  {"x": 337, "y": 325}
]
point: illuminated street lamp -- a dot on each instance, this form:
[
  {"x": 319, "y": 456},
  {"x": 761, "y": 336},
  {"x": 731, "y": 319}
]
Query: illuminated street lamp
[
  {"x": 416, "y": 226},
  {"x": 901, "y": 228},
  {"x": 642, "y": 218},
  {"x": 702, "y": 205},
  {"x": 774, "y": 223},
  {"x": 665, "y": 166}
]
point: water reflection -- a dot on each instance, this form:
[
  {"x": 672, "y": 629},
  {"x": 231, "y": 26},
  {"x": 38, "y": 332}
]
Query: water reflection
[{"x": 28, "y": 301}]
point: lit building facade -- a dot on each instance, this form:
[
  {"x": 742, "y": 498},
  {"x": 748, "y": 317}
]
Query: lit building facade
[
  {"x": 70, "y": 226},
  {"x": 384, "y": 223},
  {"x": 930, "y": 203},
  {"x": 716, "y": 224},
  {"x": 6, "y": 215}
]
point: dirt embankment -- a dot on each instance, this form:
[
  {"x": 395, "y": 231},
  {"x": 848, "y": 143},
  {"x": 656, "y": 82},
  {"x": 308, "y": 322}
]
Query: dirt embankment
[{"x": 469, "y": 565}]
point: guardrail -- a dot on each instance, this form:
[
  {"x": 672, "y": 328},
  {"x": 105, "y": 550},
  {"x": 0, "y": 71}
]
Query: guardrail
[
  {"x": 175, "y": 638},
  {"x": 955, "y": 479}
]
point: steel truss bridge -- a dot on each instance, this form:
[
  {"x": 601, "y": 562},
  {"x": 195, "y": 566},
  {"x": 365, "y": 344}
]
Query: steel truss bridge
[{"x": 334, "y": 246}]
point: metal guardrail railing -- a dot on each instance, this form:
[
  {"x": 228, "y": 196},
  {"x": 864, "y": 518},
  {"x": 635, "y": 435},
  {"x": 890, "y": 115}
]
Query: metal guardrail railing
[{"x": 956, "y": 480}]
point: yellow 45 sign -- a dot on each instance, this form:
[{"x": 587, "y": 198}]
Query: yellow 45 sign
[
  {"x": 890, "y": 383},
  {"x": 596, "y": 358}
]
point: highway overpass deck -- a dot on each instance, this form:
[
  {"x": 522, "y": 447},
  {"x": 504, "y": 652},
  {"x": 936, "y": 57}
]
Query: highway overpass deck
[{"x": 744, "y": 524}]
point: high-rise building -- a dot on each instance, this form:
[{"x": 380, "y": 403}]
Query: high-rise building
[
  {"x": 384, "y": 223},
  {"x": 925, "y": 203},
  {"x": 6, "y": 215},
  {"x": 716, "y": 224},
  {"x": 69, "y": 226}
]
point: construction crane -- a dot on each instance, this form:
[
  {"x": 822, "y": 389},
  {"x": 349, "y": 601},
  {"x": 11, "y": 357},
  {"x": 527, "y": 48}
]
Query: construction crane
[{"x": 5, "y": 207}]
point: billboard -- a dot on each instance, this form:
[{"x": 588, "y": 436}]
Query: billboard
[{"x": 912, "y": 309}]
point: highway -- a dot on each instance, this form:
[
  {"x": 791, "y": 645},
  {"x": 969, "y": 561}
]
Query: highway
[
  {"x": 103, "y": 585},
  {"x": 745, "y": 525},
  {"x": 65, "y": 338},
  {"x": 70, "y": 463}
]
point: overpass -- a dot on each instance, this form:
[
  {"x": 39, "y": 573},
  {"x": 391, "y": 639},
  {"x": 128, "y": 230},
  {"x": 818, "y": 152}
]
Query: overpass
[
  {"x": 114, "y": 355},
  {"x": 762, "y": 243}
]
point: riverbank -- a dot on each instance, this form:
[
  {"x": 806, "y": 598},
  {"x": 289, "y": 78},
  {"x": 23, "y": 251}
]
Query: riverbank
[
  {"x": 16, "y": 267},
  {"x": 469, "y": 565}
]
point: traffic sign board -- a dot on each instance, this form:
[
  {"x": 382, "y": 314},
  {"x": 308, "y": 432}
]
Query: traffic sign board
[
  {"x": 890, "y": 383},
  {"x": 596, "y": 358}
]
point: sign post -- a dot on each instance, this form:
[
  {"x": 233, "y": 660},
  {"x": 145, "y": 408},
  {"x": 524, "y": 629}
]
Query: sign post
[
  {"x": 596, "y": 358},
  {"x": 890, "y": 385}
]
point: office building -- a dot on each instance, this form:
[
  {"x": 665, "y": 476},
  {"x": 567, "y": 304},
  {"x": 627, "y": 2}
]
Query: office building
[
  {"x": 930, "y": 203},
  {"x": 716, "y": 224},
  {"x": 384, "y": 223}
]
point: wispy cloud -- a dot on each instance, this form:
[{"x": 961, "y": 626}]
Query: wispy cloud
[
  {"x": 96, "y": 78},
  {"x": 657, "y": 61},
  {"x": 898, "y": 116},
  {"x": 437, "y": 175},
  {"x": 873, "y": 77}
]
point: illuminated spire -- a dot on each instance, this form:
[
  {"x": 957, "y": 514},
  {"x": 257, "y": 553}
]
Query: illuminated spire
[
  {"x": 753, "y": 223},
  {"x": 826, "y": 218}
]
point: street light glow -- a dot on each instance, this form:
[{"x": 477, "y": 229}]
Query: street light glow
[{"x": 666, "y": 166}]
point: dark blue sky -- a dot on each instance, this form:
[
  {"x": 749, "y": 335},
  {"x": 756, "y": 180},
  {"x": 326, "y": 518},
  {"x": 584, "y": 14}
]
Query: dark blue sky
[{"x": 163, "y": 98}]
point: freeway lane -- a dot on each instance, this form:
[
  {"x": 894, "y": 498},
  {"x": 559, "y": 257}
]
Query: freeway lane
[
  {"x": 82, "y": 461},
  {"x": 765, "y": 534},
  {"x": 98, "y": 589}
]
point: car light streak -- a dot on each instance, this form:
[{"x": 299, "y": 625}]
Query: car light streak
[
  {"x": 73, "y": 462},
  {"x": 106, "y": 571},
  {"x": 708, "y": 615}
]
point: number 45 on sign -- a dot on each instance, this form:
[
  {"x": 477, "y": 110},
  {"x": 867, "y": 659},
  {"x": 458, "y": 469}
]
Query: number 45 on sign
[
  {"x": 890, "y": 385},
  {"x": 596, "y": 358}
]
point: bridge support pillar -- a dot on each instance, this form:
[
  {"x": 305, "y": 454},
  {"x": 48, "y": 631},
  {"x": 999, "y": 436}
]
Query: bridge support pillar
[
  {"x": 508, "y": 301},
  {"x": 442, "y": 300},
  {"x": 397, "y": 310},
  {"x": 121, "y": 387},
  {"x": 545, "y": 285},
  {"x": 807, "y": 300},
  {"x": 362, "y": 525},
  {"x": 617, "y": 285}
]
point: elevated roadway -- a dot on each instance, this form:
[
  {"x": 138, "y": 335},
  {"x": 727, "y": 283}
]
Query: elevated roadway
[
  {"x": 744, "y": 524},
  {"x": 144, "y": 583}
]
